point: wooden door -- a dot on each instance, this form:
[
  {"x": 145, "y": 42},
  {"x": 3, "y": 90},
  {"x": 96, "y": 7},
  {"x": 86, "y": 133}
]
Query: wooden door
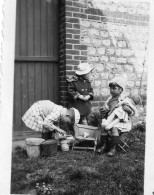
[{"x": 36, "y": 57}]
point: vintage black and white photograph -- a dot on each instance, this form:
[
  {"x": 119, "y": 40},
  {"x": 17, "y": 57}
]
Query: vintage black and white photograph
[{"x": 74, "y": 97}]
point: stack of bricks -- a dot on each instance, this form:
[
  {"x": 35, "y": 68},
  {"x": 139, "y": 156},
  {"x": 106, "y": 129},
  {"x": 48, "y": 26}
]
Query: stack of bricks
[{"x": 110, "y": 35}]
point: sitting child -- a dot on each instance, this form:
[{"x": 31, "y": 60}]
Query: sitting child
[
  {"x": 118, "y": 114},
  {"x": 118, "y": 108}
]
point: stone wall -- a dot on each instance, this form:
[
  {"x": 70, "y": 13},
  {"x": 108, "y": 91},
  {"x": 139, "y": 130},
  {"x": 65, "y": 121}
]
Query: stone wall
[{"x": 112, "y": 36}]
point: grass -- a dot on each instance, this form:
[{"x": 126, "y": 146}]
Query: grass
[{"x": 83, "y": 172}]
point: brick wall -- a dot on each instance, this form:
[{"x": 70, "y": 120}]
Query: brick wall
[{"x": 112, "y": 36}]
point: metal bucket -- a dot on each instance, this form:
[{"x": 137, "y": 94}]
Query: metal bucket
[
  {"x": 33, "y": 146},
  {"x": 49, "y": 147}
]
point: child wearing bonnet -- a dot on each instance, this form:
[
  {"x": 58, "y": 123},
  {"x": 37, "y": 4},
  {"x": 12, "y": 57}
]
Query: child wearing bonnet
[{"x": 119, "y": 109}]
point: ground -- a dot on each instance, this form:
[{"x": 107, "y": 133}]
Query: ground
[{"x": 82, "y": 172}]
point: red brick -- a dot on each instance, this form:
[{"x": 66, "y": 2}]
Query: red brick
[
  {"x": 72, "y": 62},
  {"x": 69, "y": 57},
  {"x": 94, "y": 11},
  {"x": 68, "y": 73},
  {"x": 80, "y": 57},
  {"x": 73, "y": 52},
  {"x": 72, "y": 9},
  {"x": 68, "y": 35},
  {"x": 91, "y": 17},
  {"x": 76, "y": 4},
  {"x": 68, "y": 46},
  {"x": 72, "y": 20},
  {"x": 76, "y": 36},
  {"x": 68, "y": 13},
  {"x": 84, "y": 53},
  {"x": 69, "y": 25},
  {"x": 80, "y": 47},
  {"x": 68, "y": 3},
  {"x": 73, "y": 41},
  {"x": 76, "y": 26},
  {"x": 73, "y": 31},
  {"x": 68, "y": 68},
  {"x": 104, "y": 19},
  {"x": 87, "y": 11},
  {"x": 79, "y": 15},
  {"x": 100, "y": 12}
]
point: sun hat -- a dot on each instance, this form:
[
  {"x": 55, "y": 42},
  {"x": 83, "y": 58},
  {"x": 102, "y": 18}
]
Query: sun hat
[
  {"x": 119, "y": 80},
  {"x": 75, "y": 115},
  {"x": 83, "y": 68}
]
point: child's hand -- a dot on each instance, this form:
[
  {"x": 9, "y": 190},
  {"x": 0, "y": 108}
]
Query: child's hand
[
  {"x": 81, "y": 97},
  {"x": 117, "y": 105},
  {"x": 48, "y": 126},
  {"x": 87, "y": 97},
  {"x": 62, "y": 132},
  {"x": 104, "y": 110}
]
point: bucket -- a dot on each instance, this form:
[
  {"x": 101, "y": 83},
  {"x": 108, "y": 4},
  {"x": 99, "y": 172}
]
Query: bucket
[
  {"x": 33, "y": 146},
  {"x": 49, "y": 147},
  {"x": 64, "y": 145}
]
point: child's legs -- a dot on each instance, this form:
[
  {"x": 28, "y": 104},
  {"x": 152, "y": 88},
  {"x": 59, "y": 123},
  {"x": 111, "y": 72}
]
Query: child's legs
[
  {"x": 115, "y": 131},
  {"x": 83, "y": 120},
  {"x": 110, "y": 125},
  {"x": 110, "y": 118}
]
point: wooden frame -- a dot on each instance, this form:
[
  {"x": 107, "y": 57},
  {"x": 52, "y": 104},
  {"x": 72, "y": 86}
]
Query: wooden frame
[{"x": 79, "y": 131}]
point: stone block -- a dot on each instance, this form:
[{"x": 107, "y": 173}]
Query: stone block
[
  {"x": 96, "y": 24},
  {"x": 121, "y": 44},
  {"x": 122, "y": 9},
  {"x": 130, "y": 84},
  {"x": 112, "y": 59},
  {"x": 97, "y": 83},
  {"x": 104, "y": 59},
  {"x": 85, "y": 23},
  {"x": 105, "y": 92},
  {"x": 138, "y": 83},
  {"x": 118, "y": 52},
  {"x": 85, "y": 40},
  {"x": 126, "y": 52},
  {"x": 99, "y": 67},
  {"x": 104, "y": 76},
  {"x": 129, "y": 68},
  {"x": 131, "y": 60},
  {"x": 96, "y": 42},
  {"x": 121, "y": 60},
  {"x": 110, "y": 51},
  {"x": 134, "y": 91},
  {"x": 93, "y": 32},
  {"x": 106, "y": 42},
  {"x": 84, "y": 32},
  {"x": 101, "y": 50},
  {"x": 96, "y": 92},
  {"x": 91, "y": 50},
  {"x": 104, "y": 34},
  {"x": 103, "y": 83},
  {"x": 93, "y": 58}
]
